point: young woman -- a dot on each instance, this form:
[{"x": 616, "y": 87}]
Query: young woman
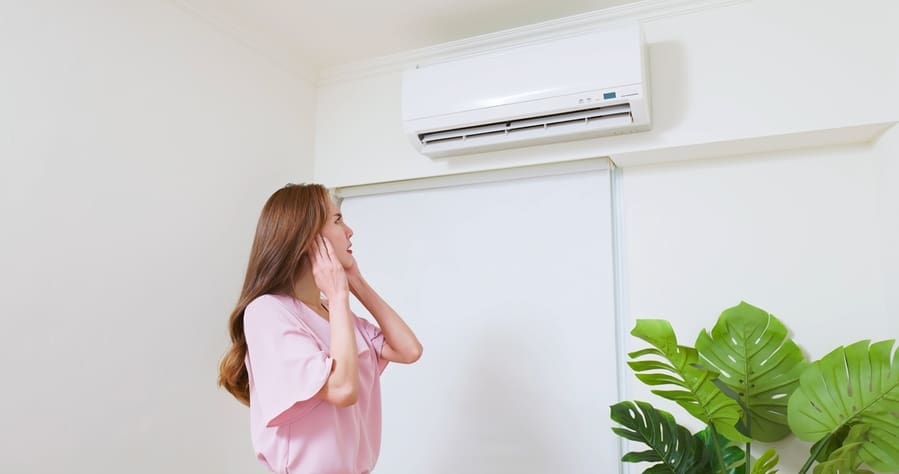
[{"x": 308, "y": 368}]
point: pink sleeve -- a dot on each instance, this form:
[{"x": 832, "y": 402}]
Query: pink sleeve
[
  {"x": 375, "y": 337},
  {"x": 286, "y": 363}
]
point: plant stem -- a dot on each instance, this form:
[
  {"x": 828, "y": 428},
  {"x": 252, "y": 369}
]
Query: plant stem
[
  {"x": 811, "y": 459},
  {"x": 748, "y": 457},
  {"x": 717, "y": 450},
  {"x": 748, "y": 443}
]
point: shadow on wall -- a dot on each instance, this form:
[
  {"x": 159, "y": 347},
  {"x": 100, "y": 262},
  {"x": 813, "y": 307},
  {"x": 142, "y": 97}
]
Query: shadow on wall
[{"x": 668, "y": 84}]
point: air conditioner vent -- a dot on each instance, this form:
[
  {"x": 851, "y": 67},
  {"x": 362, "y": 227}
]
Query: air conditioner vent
[{"x": 594, "y": 116}]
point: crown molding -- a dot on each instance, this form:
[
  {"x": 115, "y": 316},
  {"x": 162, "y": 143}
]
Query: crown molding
[
  {"x": 263, "y": 45},
  {"x": 647, "y": 10}
]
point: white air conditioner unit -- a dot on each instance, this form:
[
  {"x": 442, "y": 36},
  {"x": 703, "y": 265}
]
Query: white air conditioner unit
[{"x": 566, "y": 89}]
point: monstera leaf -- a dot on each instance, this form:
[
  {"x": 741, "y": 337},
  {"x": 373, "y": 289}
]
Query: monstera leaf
[
  {"x": 753, "y": 355},
  {"x": 766, "y": 463},
  {"x": 695, "y": 391},
  {"x": 732, "y": 457},
  {"x": 671, "y": 446},
  {"x": 827, "y": 445},
  {"x": 846, "y": 459},
  {"x": 857, "y": 384}
]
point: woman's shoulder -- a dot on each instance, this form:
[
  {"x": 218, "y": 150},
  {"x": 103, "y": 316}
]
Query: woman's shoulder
[{"x": 268, "y": 303}]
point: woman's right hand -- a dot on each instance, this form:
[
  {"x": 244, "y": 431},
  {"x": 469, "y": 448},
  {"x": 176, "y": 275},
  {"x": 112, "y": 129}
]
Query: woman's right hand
[{"x": 327, "y": 270}]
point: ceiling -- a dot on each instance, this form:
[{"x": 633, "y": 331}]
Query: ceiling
[{"x": 322, "y": 34}]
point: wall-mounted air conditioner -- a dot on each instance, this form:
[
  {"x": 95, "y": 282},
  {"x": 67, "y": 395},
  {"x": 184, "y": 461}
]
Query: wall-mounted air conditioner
[{"x": 571, "y": 88}]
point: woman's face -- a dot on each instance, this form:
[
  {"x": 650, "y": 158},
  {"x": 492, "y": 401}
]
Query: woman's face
[{"x": 338, "y": 233}]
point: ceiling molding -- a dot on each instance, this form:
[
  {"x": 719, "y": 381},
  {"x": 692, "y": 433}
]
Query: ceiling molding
[
  {"x": 261, "y": 44},
  {"x": 643, "y": 11}
]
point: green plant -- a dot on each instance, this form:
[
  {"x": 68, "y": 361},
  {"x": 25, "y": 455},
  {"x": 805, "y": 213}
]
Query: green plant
[{"x": 746, "y": 380}]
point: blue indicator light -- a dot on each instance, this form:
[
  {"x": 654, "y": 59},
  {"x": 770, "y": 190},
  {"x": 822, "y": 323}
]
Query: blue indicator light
[{"x": 608, "y": 95}]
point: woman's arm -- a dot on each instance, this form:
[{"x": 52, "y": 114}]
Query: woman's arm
[
  {"x": 400, "y": 344},
  {"x": 342, "y": 386}
]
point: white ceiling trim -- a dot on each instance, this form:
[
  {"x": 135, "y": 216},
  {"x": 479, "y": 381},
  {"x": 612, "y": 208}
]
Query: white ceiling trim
[
  {"x": 644, "y": 11},
  {"x": 279, "y": 54}
]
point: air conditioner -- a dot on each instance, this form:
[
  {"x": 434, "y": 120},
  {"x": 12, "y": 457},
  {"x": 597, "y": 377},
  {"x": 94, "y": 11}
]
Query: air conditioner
[{"x": 570, "y": 88}]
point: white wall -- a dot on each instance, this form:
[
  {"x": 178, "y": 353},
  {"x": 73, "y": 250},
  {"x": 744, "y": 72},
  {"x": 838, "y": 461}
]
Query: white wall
[
  {"x": 886, "y": 163},
  {"x": 808, "y": 234},
  {"x": 753, "y": 69},
  {"x": 137, "y": 145}
]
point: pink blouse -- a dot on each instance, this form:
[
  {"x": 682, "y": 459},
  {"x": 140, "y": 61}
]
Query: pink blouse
[{"x": 288, "y": 360}]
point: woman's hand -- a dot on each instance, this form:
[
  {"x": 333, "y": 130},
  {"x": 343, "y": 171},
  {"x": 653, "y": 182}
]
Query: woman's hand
[
  {"x": 326, "y": 269},
  {"x": 400, "y": 343}
]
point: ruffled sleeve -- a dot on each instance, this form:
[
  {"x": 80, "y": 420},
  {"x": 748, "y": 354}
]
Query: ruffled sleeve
[
  {"x": 375, "y": 338},
  {"x": 286, "y": 363}
]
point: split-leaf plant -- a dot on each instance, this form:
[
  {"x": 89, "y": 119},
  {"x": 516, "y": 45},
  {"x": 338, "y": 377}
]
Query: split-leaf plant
[{"x": 747, "y": 381}]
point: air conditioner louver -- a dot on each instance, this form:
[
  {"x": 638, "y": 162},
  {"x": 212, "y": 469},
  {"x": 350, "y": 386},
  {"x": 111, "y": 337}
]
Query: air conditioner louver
[{"x": 596, "y": 117}]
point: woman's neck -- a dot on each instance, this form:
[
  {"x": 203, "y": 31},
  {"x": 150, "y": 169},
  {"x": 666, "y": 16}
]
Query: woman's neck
[{"x": 306, "y": 290}]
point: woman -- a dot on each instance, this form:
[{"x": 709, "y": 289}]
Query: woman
[{"x": 308, "y": 368}]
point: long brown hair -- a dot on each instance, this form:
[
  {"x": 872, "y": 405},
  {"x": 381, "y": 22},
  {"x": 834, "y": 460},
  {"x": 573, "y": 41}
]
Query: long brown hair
[{"x": 288, "y": 224}]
